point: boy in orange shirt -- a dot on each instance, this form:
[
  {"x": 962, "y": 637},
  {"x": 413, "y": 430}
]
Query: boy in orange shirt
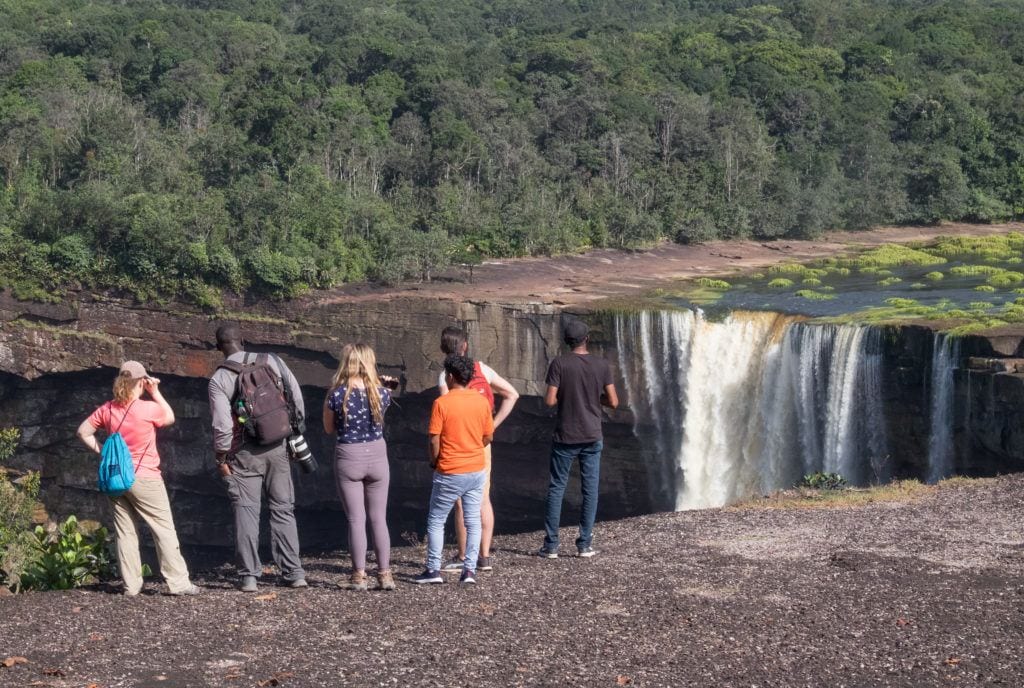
[{"x": 460, "y": 427}]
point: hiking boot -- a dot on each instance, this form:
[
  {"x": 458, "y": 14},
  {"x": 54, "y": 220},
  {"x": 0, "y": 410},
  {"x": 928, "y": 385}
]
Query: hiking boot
[
  {"x": 467, "y": 577},
  {"x": 247, "y": 584},
  {"x": 190, "y": 591},
  {"x": 297, "y": 583},
  {"x": 357, "y": 581},
  {"x": 385, "y": 581},
  {"x": 484, "y": 564},
  {"x": 428, "y": 576},
  {"x": 131, "y": 593},
  {"x": 586, "y": 552},
  {"x": 545, "y": 553},
  {"x": 454, "y": 564}
]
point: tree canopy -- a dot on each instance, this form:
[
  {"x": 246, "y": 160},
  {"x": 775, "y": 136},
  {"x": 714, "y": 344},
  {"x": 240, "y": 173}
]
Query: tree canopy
[{"x": 184, "y": 147}]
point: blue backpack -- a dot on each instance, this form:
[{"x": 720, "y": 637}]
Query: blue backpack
[{"x": 116, "y": 472}]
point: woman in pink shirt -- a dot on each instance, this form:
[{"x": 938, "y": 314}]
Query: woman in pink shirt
[{"x": 137, "y": 420}]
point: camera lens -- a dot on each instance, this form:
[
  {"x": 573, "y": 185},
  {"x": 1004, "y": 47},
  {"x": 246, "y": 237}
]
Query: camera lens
[{"x": 299, "y": 452}]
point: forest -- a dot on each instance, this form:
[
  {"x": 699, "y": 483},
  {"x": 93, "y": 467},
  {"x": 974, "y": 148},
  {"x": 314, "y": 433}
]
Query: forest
[{"x": 182, "y": 149}]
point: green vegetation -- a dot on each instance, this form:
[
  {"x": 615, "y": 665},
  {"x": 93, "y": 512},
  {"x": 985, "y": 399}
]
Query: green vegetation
[
  {"x": 709, "y": 283},
  {"x": 812, "y": 295},
  {"x": 934, "y": 276},
  {"x": 65, "y": 556},
  {"x": 780, "y": 283},
  {"x": 823, "y": 481},
  {"x": 183, "y": 148}
]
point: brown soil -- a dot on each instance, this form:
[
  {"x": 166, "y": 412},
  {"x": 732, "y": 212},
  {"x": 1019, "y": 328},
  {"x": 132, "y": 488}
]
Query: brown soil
[
  {"x": 926, "y": 592},
  {"x": 584, "y": 278}
]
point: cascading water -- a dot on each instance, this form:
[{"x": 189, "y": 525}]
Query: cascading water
[
  {"x": 941, "y": 454},
  {"x": 749, "y": 404}
]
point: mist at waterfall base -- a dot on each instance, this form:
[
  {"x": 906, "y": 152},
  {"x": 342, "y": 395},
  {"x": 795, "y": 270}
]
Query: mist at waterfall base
[{"x": 748, "y": 404}]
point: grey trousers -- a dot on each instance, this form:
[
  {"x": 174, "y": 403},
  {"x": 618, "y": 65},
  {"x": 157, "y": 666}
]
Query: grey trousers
[{"x": 254, "y": 469}]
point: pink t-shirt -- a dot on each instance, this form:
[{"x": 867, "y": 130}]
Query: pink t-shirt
[{"x": 138, "y": 430}]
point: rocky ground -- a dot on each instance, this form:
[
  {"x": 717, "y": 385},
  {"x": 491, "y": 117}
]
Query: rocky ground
[{"x": 913, "y": 593}]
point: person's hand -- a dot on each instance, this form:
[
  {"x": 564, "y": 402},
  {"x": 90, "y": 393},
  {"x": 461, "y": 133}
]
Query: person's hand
[
  {"x": 224, "y": 469},
  {"x": 151, "y": 385}
]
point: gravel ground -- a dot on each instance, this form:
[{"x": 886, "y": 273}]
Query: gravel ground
[{"x": 925, "y": 593}]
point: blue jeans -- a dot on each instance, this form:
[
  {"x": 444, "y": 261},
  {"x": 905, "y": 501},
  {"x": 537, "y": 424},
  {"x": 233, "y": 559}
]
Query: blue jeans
[
  {"x": 562, "y": 456},
  {"x": 446, "y": 489}
]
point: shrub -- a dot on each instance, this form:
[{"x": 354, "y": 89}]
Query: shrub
[
  {"x": 780, "y": 283},
  {"x": 935, "y": 276},
  {"x": 812, "y": 295},
  {"x": 985, "y": 287},
  {"x": 713, "y": 283},
  {"x": 17, "y": 502},
  {"x": 67, "y": 557},
  {"x": 889, "y": 281},
  {"x": 823, "y": 481}
]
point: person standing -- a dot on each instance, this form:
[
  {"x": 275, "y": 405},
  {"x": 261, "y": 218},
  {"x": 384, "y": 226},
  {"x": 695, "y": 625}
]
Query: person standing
[
  {"x": 354, "y": 412},
  {"x": 491, "y": 385},
  {"x": 579, "y": 383},
  {"x": 247, "y": 467},
  {"x": 460, "y": 427},
  {"x": 137, "y": 419}
]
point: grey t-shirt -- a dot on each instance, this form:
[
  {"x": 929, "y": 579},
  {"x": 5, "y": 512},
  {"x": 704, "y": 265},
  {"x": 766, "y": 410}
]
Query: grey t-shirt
[{"x": 580, "y": 379}]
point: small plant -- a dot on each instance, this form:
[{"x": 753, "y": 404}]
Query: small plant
[
  {"x": 780, "y": 283},
  {"x": 812, "y": 295},
  {"x": 823, "y": 481},
  {"x": 889, "y": 281},
  {"x": 709, "y": 283},
  {"x": 935, "y": 276},
  {"x": 68, "y": 557}
]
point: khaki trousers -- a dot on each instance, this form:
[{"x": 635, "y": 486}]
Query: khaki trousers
[{"x": 148, "y": 499}]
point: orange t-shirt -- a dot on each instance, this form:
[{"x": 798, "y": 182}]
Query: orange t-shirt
[
  {"x": 462, "y": 418},
  {"x": 138, "y": 430}
]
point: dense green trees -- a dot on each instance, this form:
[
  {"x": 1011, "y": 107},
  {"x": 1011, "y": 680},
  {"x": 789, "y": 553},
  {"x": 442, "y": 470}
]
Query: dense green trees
[{"x": 190, "y": 146}]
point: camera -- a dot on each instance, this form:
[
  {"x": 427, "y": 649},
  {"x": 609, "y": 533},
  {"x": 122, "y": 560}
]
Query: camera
[{"x": 298, "y": 451}]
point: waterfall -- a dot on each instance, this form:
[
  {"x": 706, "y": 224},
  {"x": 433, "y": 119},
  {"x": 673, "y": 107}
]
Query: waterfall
[
  {"x": 941, "y": 454},
  {"x": 749, "y": 404}
]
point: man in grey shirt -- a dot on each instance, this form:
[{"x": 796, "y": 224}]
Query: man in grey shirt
[{"x": 246, "y": 467}]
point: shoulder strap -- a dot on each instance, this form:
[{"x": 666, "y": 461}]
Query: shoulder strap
[
  {"x": 123, "y": 417},
  {"x": 233, "y": 366},
  {"x": 292, "y": 411}
]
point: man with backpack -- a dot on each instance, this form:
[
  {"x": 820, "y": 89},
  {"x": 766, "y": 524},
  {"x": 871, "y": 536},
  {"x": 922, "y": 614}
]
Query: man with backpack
[{"x": 256, "y": 405}]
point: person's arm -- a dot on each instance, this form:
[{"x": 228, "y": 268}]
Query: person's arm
[
  {"x": 434, "y": 430},
  {"x": 329, "y": 416},
  {"x": 87, "y": 433},
  {"x": 223, "y": 423},
  {"x": 152, "y": 386},
  {"x": 435, "y": 450},
  {"x": 442, "y": 384},
  {"x": 488, "y": 439},
  {"x": 553, "y": 379},
  {"x": 295, "y": 389},
  {"x": 509, "y": 396},
  {"x": 610, "y": 398}
]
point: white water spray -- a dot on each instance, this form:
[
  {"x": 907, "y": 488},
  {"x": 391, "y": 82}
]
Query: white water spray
[
  {"x": 941, "y": 454},
  {"x": 749, "y": 404}
]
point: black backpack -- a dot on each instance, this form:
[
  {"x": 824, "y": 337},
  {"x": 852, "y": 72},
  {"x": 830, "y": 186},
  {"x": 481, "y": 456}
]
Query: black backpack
[{"x": 261, "y": 402}]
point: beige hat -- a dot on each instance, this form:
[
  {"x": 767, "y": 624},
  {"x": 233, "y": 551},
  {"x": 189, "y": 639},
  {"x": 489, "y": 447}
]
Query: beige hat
[{"x": 135, "y": 369}]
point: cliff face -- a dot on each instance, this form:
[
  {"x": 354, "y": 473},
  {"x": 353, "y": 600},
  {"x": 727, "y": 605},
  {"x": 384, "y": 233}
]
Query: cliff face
[{"x": 58, "y": 363}]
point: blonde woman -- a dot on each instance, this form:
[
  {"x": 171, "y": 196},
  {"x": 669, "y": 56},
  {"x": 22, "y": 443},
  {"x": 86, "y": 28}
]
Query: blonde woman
[
  {"x": 354, "y": 411},
  {"x": 137, "y": 420}
]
